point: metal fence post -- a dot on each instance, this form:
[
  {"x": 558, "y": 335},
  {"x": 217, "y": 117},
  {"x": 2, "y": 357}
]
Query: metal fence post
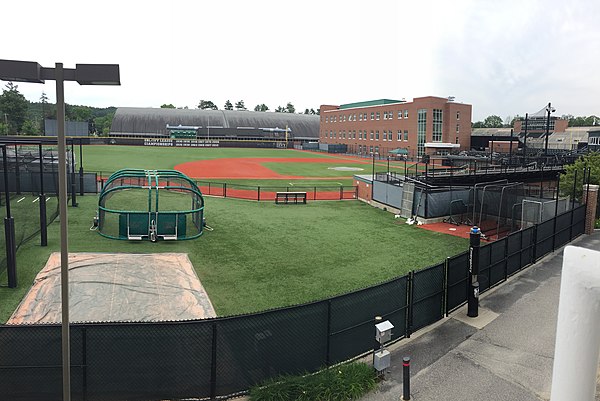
[
  {"x": 213, "y": 363},
  {"x": 409, "y": 296},
  {"x": 84, "y": 361},
  {"x": 258, "y": 193},
  {"x": 328, "y": 345},
  {"x": 341, "y": 192},
  {"x": 224, "y": 190},
  {"x": 445, "y": 285}
]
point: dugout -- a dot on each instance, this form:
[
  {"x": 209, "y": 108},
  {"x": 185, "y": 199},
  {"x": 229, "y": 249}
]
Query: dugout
[{"x": 150, "y": 205}]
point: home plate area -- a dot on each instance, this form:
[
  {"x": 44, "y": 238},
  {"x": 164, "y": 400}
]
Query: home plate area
[{"x": 121, "y": 287}]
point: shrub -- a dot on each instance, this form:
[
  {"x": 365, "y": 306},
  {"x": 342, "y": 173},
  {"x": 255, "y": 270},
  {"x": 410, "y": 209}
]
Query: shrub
[{"x": 340, "y": 383}]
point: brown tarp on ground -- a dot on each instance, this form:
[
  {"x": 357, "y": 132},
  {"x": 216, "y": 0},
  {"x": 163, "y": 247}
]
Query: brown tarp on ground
[{"x": 120, "y": 287}]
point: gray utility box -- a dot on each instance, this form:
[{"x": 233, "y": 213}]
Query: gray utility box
[
  {"x": 382, "y": 360},
  {"x": 383, "y": 332}
]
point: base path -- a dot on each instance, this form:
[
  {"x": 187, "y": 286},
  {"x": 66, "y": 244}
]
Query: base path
[{"x": 248, "y": 168}]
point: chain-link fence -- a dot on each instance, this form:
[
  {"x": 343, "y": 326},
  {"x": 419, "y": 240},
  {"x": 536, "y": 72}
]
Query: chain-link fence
[{"x": 222, "y": 357}]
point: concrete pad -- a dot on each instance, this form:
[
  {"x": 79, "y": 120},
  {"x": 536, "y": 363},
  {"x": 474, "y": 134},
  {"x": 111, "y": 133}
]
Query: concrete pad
[{"x": 484, "y": 317}]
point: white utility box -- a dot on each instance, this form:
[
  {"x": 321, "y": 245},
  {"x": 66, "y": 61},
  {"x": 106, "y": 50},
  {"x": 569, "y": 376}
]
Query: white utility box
[
  {"x": 381, "y": 360},
  {"x": 383, "y": 332}
]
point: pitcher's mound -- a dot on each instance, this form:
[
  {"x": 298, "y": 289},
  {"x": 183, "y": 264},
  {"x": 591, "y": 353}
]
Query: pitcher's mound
[{"x": 120, "y": 287}]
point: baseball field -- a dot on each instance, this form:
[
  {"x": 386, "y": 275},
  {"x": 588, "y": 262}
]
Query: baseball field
[{"x": 259, "y": 255}]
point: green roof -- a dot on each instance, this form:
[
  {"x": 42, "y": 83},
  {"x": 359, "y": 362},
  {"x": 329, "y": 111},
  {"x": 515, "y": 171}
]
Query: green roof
[
  {"x": 399, "y": 151},
  {"x": 367, "y": 103}
]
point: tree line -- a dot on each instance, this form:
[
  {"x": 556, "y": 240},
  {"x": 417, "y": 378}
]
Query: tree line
[
  {"x": 495, "y": 121},
  {"x": 20, "y": 116},
  {"x": 209, "y": 105}
]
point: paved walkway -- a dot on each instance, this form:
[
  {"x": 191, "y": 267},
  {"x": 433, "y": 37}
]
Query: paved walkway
[{"x": 504, "y": 354}]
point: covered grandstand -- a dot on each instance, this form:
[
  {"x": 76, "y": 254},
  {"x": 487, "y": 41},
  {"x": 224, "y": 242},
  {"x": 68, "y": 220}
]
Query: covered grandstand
[{"x": 214, "y": 124}]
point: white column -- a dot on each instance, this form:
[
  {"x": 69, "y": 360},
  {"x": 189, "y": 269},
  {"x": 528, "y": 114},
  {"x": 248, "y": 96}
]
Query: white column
[{"x": 577, "y": 351}]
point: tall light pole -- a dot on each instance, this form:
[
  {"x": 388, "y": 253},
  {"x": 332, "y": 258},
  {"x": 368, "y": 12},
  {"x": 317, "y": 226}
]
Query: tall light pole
[
  {"x": 549, "y": 109},
  {"x": 84, "y": 74},
  {"x": 525, "y": 140}
]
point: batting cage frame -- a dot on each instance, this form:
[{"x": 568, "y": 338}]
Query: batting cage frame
[{"x": 170, "y": 206}]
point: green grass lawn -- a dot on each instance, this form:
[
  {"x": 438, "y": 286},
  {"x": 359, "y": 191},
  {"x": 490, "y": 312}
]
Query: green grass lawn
[{"x": 262, "y": 255}]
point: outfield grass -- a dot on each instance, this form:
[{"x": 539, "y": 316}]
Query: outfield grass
[
  {"x": 110, "y": 158},
  {"x": 319, "y": 169},
  {"x": 262, "y": 255}
]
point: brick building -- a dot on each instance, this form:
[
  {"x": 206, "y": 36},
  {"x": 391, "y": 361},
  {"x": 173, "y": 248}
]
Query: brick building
[{"x": 427, "y": 125}]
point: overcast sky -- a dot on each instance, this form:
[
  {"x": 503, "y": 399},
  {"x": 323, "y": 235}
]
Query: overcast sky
[{"x": 504, "y": 57}]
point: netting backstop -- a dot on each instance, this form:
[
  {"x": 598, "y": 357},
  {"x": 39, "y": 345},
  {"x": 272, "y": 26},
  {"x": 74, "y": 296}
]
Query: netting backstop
[{"x": 150, "y": 205}]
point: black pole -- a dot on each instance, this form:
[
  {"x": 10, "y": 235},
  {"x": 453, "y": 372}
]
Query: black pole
[
  {"x": 510, "y": 148},
  {"x": 17, "y": 172},
  {"x": 548, "y": 109},
  {"x": 373, "y": 177},
  {"x": 80, "y": 168},
  {"x": 574, "y": 188},
  {"x": 406, "y": 378},
  {"x": 73, "y": 190},
  {"x": 9, "y": 230},
  {"x": 525, "y": 140},
  {"x": 473, "y": 296},
  {"x": 42, "y": 200}
]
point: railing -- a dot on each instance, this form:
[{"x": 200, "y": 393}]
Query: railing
[{"x": 225, "y": 356}]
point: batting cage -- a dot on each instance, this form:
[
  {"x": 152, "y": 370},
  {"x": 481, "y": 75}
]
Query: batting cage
[{"x": 150, "y": 205}]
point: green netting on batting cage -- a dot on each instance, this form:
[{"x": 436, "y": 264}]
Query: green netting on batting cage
[{"x": 150, "y": 205}]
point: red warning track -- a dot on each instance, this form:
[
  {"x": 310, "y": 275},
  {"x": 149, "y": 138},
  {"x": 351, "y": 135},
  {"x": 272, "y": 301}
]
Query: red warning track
[{"x": 247, "y": 168}]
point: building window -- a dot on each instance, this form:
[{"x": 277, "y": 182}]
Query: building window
[
  {"x": 385, "y": 135},
  {"x": 399, "y": 138},
  {"x": 360, "y": 117},
  {"x": 376, "y": 135},
  {"x": 365, "y": 117},
  {"x": 377, "y": 115},
  {"x": 371, "y": 136},
  {"x": 399, "y": 114},
  {"x": 457, "y": 128},
  {"x": 372, "y": 116},
  {"x": 326, "y": 119},
  {"x": 385, "y": 115},
  {"x": 405, "y": 113},
  {"x": 376, "y": 150},
  {"x": 421, "y": 131},
  {"x": 406, "y": 135},
  {"x": 437, "y": 125},
  {"x": 458, "y": 115},
  {"x": 371, "y": 149}
]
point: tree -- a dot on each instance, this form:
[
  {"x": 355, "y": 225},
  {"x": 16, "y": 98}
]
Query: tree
[
  {"x": 280, "y": 109},
  {"x": 261, "y": 107},
  {"x": 207, "y": 104},
  {"x": 29, "y": 128},
  {"x": 228, "y": 105},
  {"x": 240, "y": 105},
  {"x": 290, "y": 108},
  {"x": 104, "y": 123},
  {"x": 44, "y": 102},
  {"x": 167, "y": 106},
  {"x": 591, "y": 160},
  {"x": 13, "y": 108},
  {"x": 478, "y": 124},
  {"x": 492, "y": 121},
  {"x": 515, "y": 118},
  {"x": 585, "y": 121}
]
